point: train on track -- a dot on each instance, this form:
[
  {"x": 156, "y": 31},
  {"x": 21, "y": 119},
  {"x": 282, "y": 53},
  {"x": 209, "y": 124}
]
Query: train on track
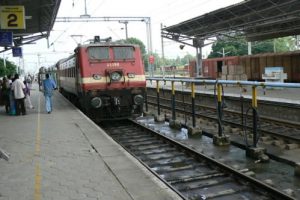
[
  {"x": 251, "y": 67},
  {"x": 106, "y": 80}
]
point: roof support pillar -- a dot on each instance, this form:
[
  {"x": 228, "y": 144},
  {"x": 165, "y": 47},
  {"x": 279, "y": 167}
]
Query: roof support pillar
[
  {"x": 198, "y": 61},
  {"x": 198, "y": 44},
  {"x": 249, "y": 48}
]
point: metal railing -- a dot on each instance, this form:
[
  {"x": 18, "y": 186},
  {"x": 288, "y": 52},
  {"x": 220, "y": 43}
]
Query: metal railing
[{"x": 218, "y": 92}]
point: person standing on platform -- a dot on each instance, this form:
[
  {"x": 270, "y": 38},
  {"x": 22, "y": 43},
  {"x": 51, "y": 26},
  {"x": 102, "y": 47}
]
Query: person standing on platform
[
  {"x": 5, "y": 94},
  {"x": 48, "y": 85},
  {"x": 18, "y": 88},
  {"x": 27, "y": 94},
  {"x": 12, "y": 105}
]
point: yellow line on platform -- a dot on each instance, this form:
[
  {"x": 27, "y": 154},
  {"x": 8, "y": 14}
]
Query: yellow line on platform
[
  {"x": 38, "y": 134},
  {"x": 37, "y": 185}
]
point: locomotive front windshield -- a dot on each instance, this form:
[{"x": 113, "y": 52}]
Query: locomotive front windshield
[
  {"x": 99, "y": 53},
  {"x": 121, "y": 53}
]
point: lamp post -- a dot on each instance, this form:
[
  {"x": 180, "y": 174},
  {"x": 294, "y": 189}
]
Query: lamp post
[
  {"x": 4, "y": 60},
  {"x": 162, "y": 52},
  {"x": 147, "y": 20},
  {"x": 223, "y": 53},
  {"x": 126, "y": 30}
]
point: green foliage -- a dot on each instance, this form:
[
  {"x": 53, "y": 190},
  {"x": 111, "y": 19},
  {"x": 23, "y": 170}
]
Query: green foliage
[
  {"x": 285, "y": 44},
  {"x": 135, "y": 41},
  {"x": 237, "y": 46},
  {"x": 232, "y": 47},
  {"x": 142, "y": 47},
  {"x": 158, "y": 61},
  {"x": 10, "y": 68}
]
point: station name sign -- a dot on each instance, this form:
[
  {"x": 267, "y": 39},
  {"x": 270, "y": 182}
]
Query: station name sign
[
  {"x": 17, "y": 52},
  {"x": 12, "y": 17}
]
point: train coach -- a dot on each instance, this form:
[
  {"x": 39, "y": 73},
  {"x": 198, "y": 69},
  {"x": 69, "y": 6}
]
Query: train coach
[
  {"x": 106, "y": 80},
  {"x": 252, "y": 66}
]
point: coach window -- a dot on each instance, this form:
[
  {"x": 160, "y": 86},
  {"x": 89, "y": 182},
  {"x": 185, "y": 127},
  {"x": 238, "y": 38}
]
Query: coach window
[
  {"x": 121, "y": 53},
  {"x": 98, "y": 53}
]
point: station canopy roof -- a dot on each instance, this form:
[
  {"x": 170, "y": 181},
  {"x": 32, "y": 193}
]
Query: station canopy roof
[
  {"x": 39, "y": 18},
  {"x": 254, "y": 19}
]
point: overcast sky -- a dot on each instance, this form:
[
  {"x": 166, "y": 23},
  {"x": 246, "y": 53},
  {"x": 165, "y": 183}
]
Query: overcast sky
[{"x": 167, "y": 12}]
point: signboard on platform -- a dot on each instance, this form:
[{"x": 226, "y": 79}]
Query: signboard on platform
[
  {"x": 6, "y": 38},
  {"x": 12, "y": 17},
  {"x": 17, "y": 52},
  {"x": 151, "y": 59}
]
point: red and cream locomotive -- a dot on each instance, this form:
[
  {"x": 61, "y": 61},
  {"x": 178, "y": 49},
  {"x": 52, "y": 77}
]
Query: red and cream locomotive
[{"x": 106, "y": 80}]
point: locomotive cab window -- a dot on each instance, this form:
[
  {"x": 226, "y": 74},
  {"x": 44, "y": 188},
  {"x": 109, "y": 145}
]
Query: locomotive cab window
[
  {"x": 121, "y": 53},
  {"x": 99, "y": 53}
]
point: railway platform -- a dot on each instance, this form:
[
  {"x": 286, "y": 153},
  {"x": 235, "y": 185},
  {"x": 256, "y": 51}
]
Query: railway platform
[{"x": 64, "y": 155}]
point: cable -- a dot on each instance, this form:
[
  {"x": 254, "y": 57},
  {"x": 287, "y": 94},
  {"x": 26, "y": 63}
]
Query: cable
[
  {"x": 183, "y": 101},
  {"x": 245, "y": 127},
  {"x": 219, "y": 111},
  {"x": 188, "y": 7}
]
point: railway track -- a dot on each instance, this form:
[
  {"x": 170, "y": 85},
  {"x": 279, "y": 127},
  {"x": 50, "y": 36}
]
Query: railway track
[
  {"x": 189, "y": 173},
  {"x": 272, "y": 127}
]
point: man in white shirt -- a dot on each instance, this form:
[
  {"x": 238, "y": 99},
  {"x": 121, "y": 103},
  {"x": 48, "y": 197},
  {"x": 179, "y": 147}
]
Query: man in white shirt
[{"x": 18, "y": 90}]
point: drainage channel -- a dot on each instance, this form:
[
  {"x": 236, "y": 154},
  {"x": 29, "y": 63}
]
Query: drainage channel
[{"x": 189, "y": 173}]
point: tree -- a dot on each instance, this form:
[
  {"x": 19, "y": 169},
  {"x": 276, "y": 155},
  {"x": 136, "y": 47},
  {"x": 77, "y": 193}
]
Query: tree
[
  {"x": 285, "y": 44},
  {"x": 141, "y": 45},
  {"x": 232, "y": 46},
  {"x": 237, "y": 46},
  {"x": 158, "y": 61},
  {"x": 137, "y": 42},
  {"x": 186, "y": 59},
  {"x": 10, "y": 68}
]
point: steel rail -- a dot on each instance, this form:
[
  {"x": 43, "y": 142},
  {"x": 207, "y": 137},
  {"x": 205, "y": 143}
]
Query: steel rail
[
  {"x": 249, "y": 127},
  {"x": 234, "y": 175}
]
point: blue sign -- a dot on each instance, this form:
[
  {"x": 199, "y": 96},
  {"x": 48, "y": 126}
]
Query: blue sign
[
  {"x": 6, "y": 38},
  {"x": 17, "y": 51}
]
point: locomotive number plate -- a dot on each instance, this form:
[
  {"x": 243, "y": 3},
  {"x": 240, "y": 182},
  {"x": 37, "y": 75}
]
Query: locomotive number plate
[{"x": 113, "y": 64}]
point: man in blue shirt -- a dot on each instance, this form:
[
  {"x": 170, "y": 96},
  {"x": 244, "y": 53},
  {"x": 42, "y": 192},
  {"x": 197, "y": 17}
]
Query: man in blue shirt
[{"x": 49, "y": 85}]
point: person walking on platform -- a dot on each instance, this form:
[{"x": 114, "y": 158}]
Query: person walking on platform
[
  {"x": 48, "y": 85},
  {"x": 18, "y": 88},
  {"x": 27, "y": 94}
]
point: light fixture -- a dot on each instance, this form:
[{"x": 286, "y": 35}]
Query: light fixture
[
  {"x": 96, "y": 76},
  {"x": 115, "y": 76},
  {"x": 131, "y": 75}
]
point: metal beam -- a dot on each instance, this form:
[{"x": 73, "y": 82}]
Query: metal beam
[
  {"x": 243, "y": 17},
  {"x": 147, "y": 20}
]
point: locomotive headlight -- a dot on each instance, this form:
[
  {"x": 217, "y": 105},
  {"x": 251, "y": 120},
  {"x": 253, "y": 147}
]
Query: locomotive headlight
[
  {"x": 115, "y": 76},
  {"x": 96, "y": 102},
  {"x": 138, "y": 99},
  {"x": 131, "y": 75},
  {"x": 96, "y": 76}
]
